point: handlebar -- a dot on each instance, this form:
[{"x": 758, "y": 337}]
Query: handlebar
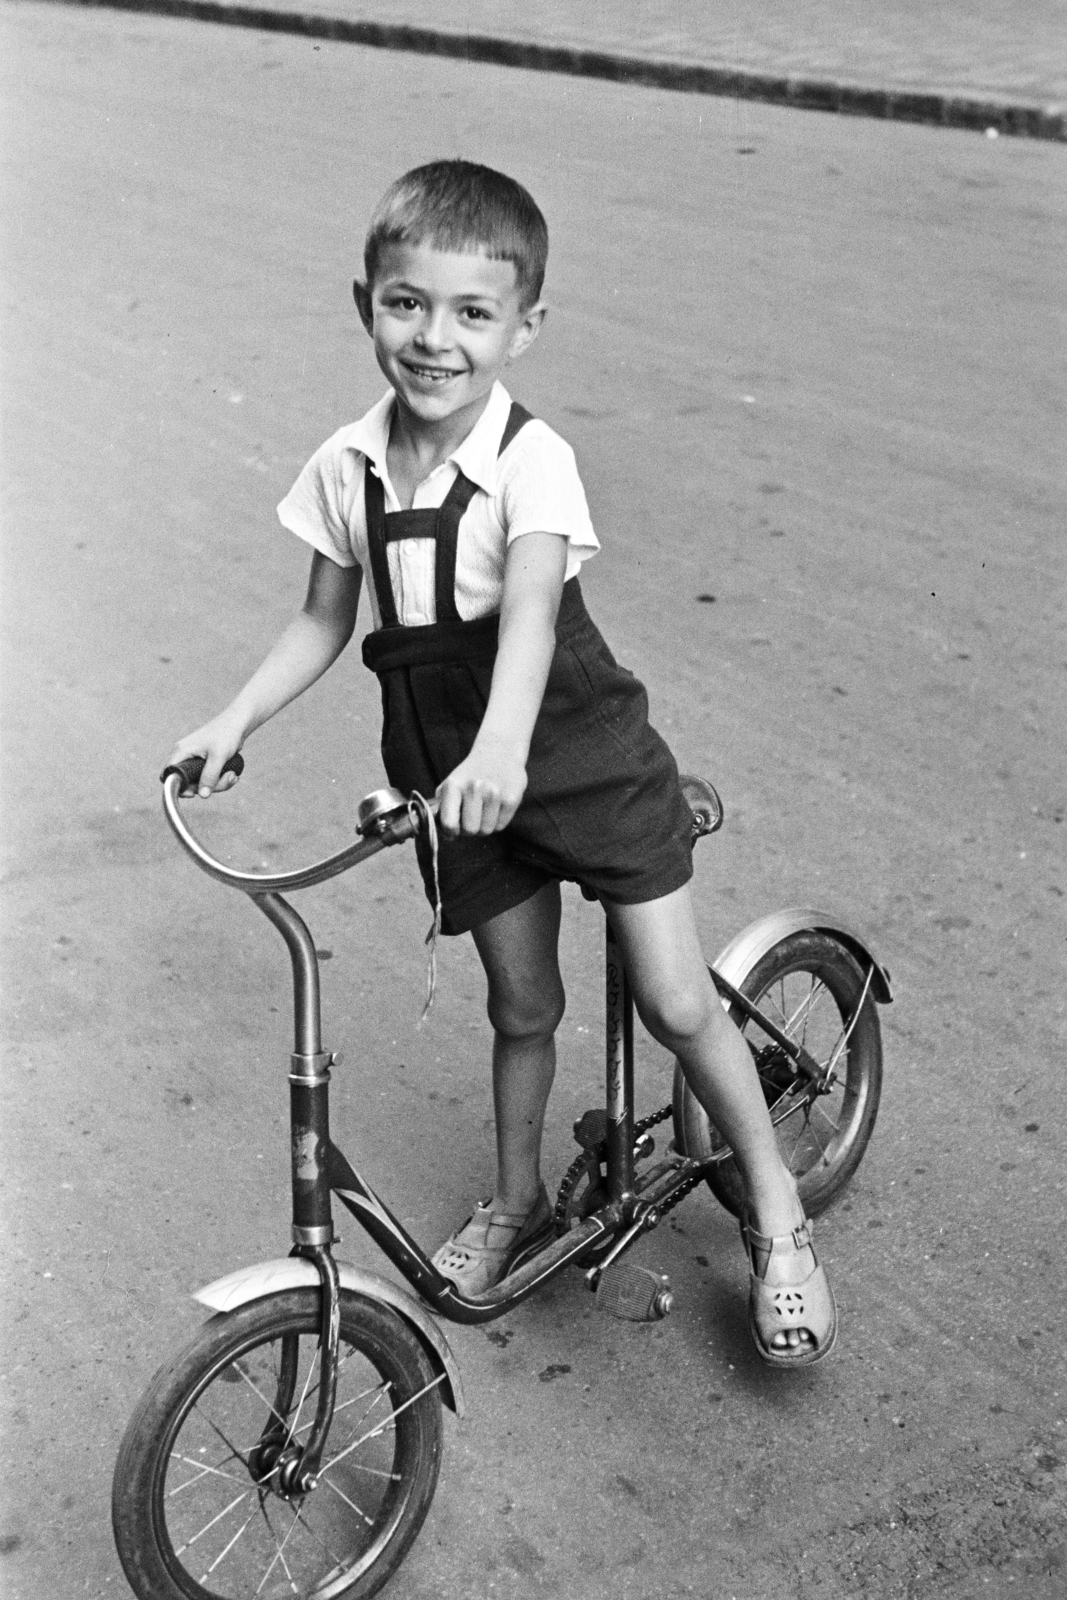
[
  {"x": 392, "y": 824},
  {"x": 385, "y": 819}
]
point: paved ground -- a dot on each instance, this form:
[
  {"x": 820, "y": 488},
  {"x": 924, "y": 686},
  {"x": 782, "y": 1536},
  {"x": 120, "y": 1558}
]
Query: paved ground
[
  {"x": 818, "y": 373},
  {"x": 973, "y": 47}
]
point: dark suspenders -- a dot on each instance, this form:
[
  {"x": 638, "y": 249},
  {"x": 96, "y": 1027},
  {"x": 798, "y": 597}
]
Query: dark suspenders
[{"x": 441, "y": 525}]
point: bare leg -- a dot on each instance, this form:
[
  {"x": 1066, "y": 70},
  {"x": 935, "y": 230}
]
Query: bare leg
[
  {"x": 518, "y": 950},
  {"x": 679, "y": 1005}
]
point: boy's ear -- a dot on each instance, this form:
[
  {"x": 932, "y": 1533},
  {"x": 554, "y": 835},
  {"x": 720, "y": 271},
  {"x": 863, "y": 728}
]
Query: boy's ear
[
  {"x": 528, "y": 329},
  {"x": 362, "y": 296}
]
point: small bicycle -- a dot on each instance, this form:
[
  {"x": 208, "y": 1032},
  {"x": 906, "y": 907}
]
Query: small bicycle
[{"x": 293, "y": 1447}]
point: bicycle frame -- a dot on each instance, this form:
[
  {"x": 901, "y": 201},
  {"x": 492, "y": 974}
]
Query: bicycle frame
[{"x": 320, "y": 1169}]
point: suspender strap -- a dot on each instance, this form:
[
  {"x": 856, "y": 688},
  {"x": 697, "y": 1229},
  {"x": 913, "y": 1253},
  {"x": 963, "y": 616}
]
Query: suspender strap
[
  {"x": 442, "y": 526},
  {"x": 446, "y": 535},
  {"x": 374, "y": 503},
  {"x": 518, "y": 417}
]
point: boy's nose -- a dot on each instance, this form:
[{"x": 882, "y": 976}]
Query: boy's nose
[{"x": 435, "y": 334}]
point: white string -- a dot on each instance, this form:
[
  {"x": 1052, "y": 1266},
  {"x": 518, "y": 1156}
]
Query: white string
[{"x": 419, "y": 811}]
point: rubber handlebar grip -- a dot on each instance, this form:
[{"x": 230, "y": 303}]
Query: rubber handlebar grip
[{"x": 190, "y": 769}]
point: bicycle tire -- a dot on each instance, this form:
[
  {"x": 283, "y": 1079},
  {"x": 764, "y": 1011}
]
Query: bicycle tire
[
  {"x": 194, "y": 1510},
  {"x": 810, "y": 986}
]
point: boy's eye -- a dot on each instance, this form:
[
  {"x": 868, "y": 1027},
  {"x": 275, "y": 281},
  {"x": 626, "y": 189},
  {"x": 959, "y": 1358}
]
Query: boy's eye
[{"x": 476, "y": 314}]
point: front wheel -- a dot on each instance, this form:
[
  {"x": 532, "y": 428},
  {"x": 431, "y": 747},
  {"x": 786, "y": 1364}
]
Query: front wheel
[
  {"x": 197, "y": 1507},
  {"x": 815, "y": 992}
]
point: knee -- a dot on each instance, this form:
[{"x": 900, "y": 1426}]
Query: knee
[
  {"x": 677, "y": 1014},
  {"x": 527, "y": 1014}
]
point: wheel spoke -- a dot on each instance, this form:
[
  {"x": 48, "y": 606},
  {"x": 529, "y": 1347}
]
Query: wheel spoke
[
  {"x": 218, "y": 1518},
  {"x": 838, "y": 1050},
  {"x": 357, "y": 1509},
  {"x": 220, "y": 1558},
  {"x": 358, "y": 1466},
  {"x": 804, "y": 1009},
  {"x": 778, "y": 1116},
  {"x": 834, "y": 1127},
  {"x": 356, "y": 1398},
  {"x": 383, "y": 1390},
  {"x": 340, "y": 1363},
  {"x": 235, "y": 1454},
  {"x": 271, "y": 1407},
  {"x": 823, "y": 1146},
  {"x": 796, "y": 1144},
  {"x": 303, "y": 1397},
  {"x": 313, "y": 1533},
  {"x": 285, "y": 1564},
  {"x": 767, "y": 999},
  {"x": 380, "y": 1427},
  {"x": 203, "y": 1471},
  {"x": 279, "y": 1552}
]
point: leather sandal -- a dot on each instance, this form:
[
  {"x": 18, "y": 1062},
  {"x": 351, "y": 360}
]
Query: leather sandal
[
  {"x": 807, "y": 1306},
  {"x": 490, "y": 1244}
]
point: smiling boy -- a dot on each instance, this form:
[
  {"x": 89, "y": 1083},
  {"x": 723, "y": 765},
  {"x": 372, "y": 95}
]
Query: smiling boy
[{"x": 469, "y": 520}]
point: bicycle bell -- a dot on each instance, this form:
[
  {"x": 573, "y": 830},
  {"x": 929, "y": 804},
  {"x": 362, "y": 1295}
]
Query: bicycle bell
[{"x": 377, "y": 809}]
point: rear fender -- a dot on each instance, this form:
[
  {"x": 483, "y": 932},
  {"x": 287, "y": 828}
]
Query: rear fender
[
  {"x": 736, "y": 961},
  {"x": 297, "y": 1272}
]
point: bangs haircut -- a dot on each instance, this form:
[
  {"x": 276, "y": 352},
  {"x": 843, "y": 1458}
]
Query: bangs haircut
[{"x": 462, "y": 207}]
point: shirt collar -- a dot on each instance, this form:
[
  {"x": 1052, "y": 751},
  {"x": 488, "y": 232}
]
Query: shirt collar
[
  {"x": 370, "y": 435},
  {"x": 475, "y": 457}
]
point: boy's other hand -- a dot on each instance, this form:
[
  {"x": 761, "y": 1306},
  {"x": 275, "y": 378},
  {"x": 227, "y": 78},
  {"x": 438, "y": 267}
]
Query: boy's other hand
[
  {"x": 216, "y": 742},
  {"x": 484, "y": 792}
]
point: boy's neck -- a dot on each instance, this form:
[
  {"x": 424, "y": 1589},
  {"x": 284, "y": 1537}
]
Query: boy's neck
[{"x": 417, "y": 446}]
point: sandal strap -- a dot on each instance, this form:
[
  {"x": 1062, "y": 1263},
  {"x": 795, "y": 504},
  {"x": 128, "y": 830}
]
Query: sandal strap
[
  {"x": 800, "y": 1237},
  {"x": 473, "y": 1263},
  {"x": 482, "y": 1220}
]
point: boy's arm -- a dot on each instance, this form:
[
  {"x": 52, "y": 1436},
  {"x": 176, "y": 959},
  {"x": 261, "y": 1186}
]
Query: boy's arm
[
  {"x": 310, "y": 644},
  {"x": 483, "y": 793}
]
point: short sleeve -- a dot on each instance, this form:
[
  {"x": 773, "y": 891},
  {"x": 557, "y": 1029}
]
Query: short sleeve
[
  {"x": 539, "y": 491},
  {"x": 319, "y": 507}
]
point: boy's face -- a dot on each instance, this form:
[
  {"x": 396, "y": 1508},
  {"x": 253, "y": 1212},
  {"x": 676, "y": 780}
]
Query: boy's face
[{"x": 444, "y": 325}]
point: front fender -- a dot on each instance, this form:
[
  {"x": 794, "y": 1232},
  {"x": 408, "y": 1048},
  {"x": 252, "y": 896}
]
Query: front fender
[
  {"x": 297, "y": 1272},
  {"x": 752, "y": 943}
]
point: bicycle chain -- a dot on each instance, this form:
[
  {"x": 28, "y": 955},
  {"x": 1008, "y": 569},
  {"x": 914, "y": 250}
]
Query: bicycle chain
[{"x": 598, "y": 1153}]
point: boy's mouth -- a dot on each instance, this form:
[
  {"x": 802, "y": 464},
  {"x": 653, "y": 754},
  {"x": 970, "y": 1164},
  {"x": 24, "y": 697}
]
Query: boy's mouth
[{"x": 430, "y": 374}]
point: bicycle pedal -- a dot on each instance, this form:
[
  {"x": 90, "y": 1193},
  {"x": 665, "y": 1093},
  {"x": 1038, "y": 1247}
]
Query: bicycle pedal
[
  {"x": 591, "y": 1129},
  {"x": 636, "y": 1294}
]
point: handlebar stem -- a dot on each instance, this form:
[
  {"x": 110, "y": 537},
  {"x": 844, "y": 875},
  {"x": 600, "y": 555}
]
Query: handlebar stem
[{"x": 307, "y": 1011}]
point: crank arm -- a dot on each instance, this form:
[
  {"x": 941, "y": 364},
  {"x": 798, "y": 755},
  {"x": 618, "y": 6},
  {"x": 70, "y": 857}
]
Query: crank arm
[{"x": 647, "y": 1218}]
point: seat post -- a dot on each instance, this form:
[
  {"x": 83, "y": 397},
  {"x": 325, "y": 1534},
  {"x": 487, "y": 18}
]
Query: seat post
[{"x": 619, "y": 1082}]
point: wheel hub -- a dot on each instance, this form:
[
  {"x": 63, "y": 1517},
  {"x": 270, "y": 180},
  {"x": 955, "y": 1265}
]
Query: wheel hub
[{"x": 276, "y": 1466}]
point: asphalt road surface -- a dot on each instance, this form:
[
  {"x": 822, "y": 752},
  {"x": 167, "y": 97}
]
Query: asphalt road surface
[{"x": 811, "y": 366}]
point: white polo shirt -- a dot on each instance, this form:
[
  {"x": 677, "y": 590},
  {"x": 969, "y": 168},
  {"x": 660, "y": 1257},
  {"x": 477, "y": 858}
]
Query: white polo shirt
[{"x": 533, "y": 487}]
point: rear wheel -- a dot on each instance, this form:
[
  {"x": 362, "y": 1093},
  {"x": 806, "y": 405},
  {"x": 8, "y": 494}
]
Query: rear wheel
[
  {"x": 815, "y": 992},
  {"x": 198, "y": 1509}
]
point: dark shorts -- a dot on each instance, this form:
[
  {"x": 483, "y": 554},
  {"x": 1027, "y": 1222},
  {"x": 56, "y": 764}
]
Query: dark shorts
[{"x": 603, "y": 805}]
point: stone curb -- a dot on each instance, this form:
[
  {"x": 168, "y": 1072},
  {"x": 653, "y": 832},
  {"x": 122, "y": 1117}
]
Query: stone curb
[{"x": 944, "y": 110}]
